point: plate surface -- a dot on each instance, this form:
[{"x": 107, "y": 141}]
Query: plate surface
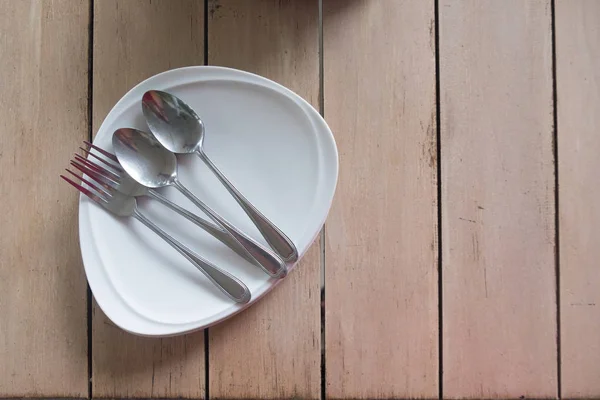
[{"x": 268, "y": 141}]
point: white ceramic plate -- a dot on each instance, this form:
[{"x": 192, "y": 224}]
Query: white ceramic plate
[{"x": 268, "y": 141}]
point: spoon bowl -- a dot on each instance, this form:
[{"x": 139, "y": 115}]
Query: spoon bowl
[
  {"x": 144, "y": 158},
  {"x": 174, "y": 124}
]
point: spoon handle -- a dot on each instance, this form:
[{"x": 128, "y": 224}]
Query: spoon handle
[
  {"x": 269, "y": 261},
  {"x": 272, "y": 234},
  {"x": 212, "y": 229},
  {"x": 229, "y": 284}
]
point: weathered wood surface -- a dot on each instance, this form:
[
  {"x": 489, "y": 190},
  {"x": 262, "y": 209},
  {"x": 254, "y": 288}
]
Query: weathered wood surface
[
  {"x": 43, "y": 103},
  {"x": 498, "y": 207},
  {"x": 381, "y": 321},
  {"x": 498, "y": 199}
]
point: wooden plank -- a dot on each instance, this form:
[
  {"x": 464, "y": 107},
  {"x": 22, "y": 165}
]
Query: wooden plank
[
  {"x": 578, "y": 90},
  {"x": 44, "y": 86},
  {"x": 381, "y": 239},
  {"x": 498, "y": 208},
  {"x": 271, "y": 350},
  {"x": 132, "y": 41}
]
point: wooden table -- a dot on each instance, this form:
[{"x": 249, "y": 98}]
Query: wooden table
[{"x": 459, "y": 260}]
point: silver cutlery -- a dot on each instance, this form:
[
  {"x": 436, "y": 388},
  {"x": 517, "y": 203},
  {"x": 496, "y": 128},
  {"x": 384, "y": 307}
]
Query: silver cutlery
[
  {"x": 126, "y": 206},
  {"x": 179, "y": 129},
  {"x": 118, "y": 179},
  {"x": 153, "y": 166}
]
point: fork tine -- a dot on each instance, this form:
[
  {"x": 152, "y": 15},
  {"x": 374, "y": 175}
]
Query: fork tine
[
  {"x": 85, "y": 191},
  {"x": 105, "y": 183},
  {"x": 99, "y": 169},
  {"x": 102, "y": 151},
  {"x": 104, "y": 190},
  {"x": 87, "y": 162},
  {"x": 102, "y": 160},
  {"x": 84, "y": 167}
]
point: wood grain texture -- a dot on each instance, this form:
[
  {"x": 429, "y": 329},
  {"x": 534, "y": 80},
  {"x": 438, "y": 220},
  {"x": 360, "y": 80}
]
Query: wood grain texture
[
  {"x": 578, "y": 91},
  {"x": 381, "y": 239},
  {"x": 272, "y": 350},
  {"x": 134, "y": 40},
  {"x": 498, "y": 208},
  {"x": 44, "y": 87}
]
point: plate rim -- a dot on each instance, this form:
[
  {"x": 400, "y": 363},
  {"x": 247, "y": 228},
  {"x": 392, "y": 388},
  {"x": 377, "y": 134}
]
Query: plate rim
[{"x": 89, "y": 251}]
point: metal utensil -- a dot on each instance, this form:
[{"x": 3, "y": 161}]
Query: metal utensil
[
  {"x": 126, "y": 206},
  {"x": 117, "y": 178},
  {"x": 179, "y": 129},
  {"x": 150, "y": 164}
]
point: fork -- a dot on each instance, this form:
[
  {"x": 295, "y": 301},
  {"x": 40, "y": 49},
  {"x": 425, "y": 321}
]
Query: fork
[
  {"x": 122, "y": 205},
  {"x": 119, "y": 179}
]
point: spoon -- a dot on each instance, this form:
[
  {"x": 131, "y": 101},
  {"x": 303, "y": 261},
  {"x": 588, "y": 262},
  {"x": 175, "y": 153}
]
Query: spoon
[
  {"x": 150, "y": 164},
  {"x": 179, "y": 129}
]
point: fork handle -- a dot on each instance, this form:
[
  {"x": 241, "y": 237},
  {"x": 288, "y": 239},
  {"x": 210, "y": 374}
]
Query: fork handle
[
  {"x": 229, "y": 284},
  {"x": 272, "y": 234},
  {"x": 270, "y": 262},
  {"x": 214, "y": 230}
]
